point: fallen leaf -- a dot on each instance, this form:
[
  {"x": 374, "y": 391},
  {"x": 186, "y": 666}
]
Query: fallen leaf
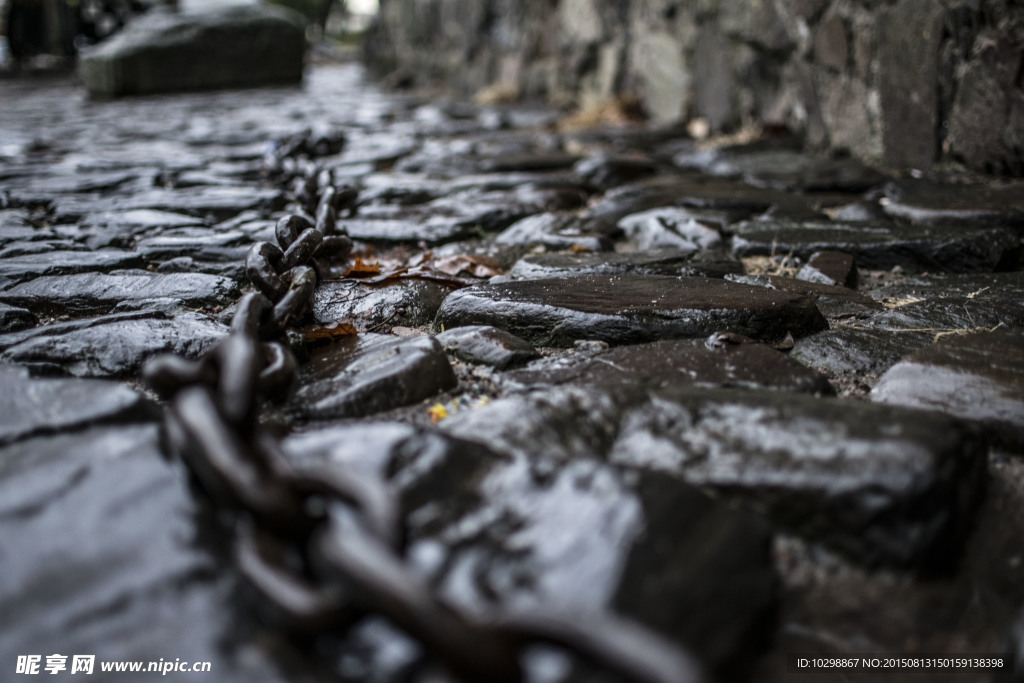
[
  {"x": 329, "y": 332},
  {"x": 477, "y": 266},
  {"x": 362, "y": 269},
  {"x": 437, "y": 412}
]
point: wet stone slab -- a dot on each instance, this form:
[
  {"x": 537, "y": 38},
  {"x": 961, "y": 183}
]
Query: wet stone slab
[
  {"x": 586, "y": 536},
  {"x": 109, "y": 562},
  {"x": 32, "y": 407},
  {"x": 925, "y": 202},
  {"x": 117, "y": 348},
  {"x": 99, "y": 292},
  {"x": 61, "y": 262},
  {"x": 884, "y": 245},
  {"x": 629, "y": 309},
  {"x": 783, "y": 169},
  {"x": 403, "y": 302},
  {"x": 872, "y": 344},
  {"x": 219, "y": 202},
  {"x": 881, "y": 484},
  {"x": 719, "y": 361},
  {"x": 557, "y": 231},
  {"x": 654, "y": 262},
  {"x": 979, "y": 377},
  {"x": 487, "y": 345},
  {"x": 830, "y": 268},
  {"x": 370, "y": 373},
  {"x": 666, "y": 228},
  {"x": 832, "y": 300}
]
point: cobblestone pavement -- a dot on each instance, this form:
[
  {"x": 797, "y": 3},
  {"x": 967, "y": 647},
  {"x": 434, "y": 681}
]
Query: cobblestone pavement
[{"x": 760, "y": 402}]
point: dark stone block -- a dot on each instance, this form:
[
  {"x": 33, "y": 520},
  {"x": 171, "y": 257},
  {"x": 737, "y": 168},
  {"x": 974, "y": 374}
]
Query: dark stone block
[
  {"x": 220, "y": 48},
  {"x": 629, "y": 309}
]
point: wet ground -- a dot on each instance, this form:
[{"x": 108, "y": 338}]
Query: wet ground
[{"x": 765, "y": 403}]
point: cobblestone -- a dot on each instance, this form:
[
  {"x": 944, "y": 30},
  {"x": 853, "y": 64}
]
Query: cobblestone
[{"x": 663, "y": 321}]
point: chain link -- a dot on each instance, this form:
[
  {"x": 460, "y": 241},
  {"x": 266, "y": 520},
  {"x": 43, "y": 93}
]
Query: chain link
[{"x": 325, "y": 571}]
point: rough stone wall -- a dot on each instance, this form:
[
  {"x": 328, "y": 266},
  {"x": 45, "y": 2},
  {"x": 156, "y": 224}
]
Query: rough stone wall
[{"x": 899, "y": 82}]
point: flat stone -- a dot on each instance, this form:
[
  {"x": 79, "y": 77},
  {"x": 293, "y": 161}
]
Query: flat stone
[
  {"x": 608, "y": 170},
  {"x": 98, "y": 292},
  {"x": 666, "y": 228},
  {"x": 18, "y": 268},
  {"x": 201, "y": 243},
  {"x": 527, "y": 532},
  {"x": 117, "y": 349},
  {"x": 555, "y": 231},
  {"x": 783, "y": 169},
  {"x": 487, "y": 345},
  {"x": 455, "y": 216},
  {"x": 629, "y": 309},
  {"x": 942, "y": 204},
  {"x": 219, "y": 202},
  {"x": 32, "y": 407},
  {"x": 655, "y": 262},
  {"x": 883, "y": 245},
  {"x": 111, "y": 559},
  {"x": 370, "y": 373},
  {"x": 231, "y": 46},
  {"x": 700, "y": 192},
  {"x": 866, "y": 353},
  {"x": 675, "y": 362},
  {"x": 882, "y": 484},
  {"x": 13, "y": 319},
  {"x": 411, "y": 302},
  {"x": 832, "y": 300},
  {"x": 979, "y": 377},
  {"x": 830, "y": 268}
]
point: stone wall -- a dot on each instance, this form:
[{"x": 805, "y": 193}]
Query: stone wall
[{"x": 898, "y": 82}]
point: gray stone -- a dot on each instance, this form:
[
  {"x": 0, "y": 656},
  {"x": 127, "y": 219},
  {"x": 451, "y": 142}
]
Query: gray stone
[
  {"x": 18, "y": 268},
  {"x": 32, "y": 407},
  {"x": 908, "y": 82},
  {"x": 581, "y": 537},
  {"x": 224, "y": 47},
  {"x": 200, "y": 243},
  {"x": 873, "y": 344},
  {"x": 218, "y": 202},
  {"x": 831, "y": 44},
  {"x": 862, "y": 478},
  {"x": 629, "y": 309},
  {"x": 556, "y": 231},
  {"x": 655, "y": 262},
  {"x": 117, "y": 349},
  {"x": 99, "y": 292},
  {"x": 783, "y": 169},
  {"x": 720, "y": 361},
  {"x": 370, "y": 373},
  {"x": 830, "y": 268},
  {"x": 112, "y": 560},
  {"x": 606, "y": 170},
  {"x": 411, "y": 302},
  {"x": 487, "y": 345},
  {"x": 883, "y": 245},
  {"x": 831, "y": 300},
  {"x": 13, "y": 319},
  {"x": 979, "y": 377},
  {"x": 667, "y": 228},
  {"x": 956, "y": 205}
]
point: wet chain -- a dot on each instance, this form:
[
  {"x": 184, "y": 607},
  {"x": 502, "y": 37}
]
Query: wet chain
[{"x": 324, "y": 571}]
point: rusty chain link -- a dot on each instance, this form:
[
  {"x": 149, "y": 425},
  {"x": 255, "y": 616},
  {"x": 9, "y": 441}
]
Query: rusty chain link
[{"x": 324, "y": 571}]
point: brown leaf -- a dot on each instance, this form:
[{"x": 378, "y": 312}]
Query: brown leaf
[
  {"x": 329, "y": 332},
  {"x": 362, "y": 269},
  {"x": 477, "y": 266}
]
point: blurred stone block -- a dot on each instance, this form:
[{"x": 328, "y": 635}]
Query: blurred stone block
[{"x": 163, "y": 51}]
